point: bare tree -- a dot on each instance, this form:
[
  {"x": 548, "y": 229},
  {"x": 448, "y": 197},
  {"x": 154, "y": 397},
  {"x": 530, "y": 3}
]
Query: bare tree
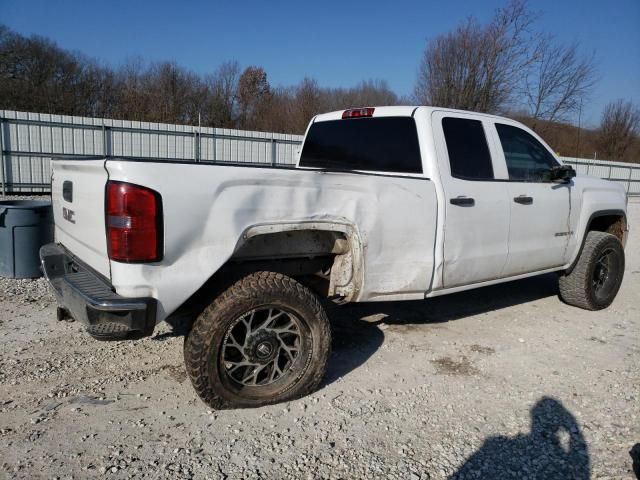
[
  {"x": 308, "y": 102},
  {"x": 281, "y": 113},
  {"x": 133, "y": 100},
  {"x": 506, "y": 55},
  {"x": 253, "y": 93},
  {"x": 365, "y": 93},
  {"x": 558, "y": 80},
  {"x": 289, "y": 109},
  {"x": 165, "y": 91},
  {"x": 478, "y": 67},
  {"x": 221, "y": 104},
  {"x": 371, "y": 92},
  {"x": 35, "y": 74},
  {"x": 619, "y": 129}
]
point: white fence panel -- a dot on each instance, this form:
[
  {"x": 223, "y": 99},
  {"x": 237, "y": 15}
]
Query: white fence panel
[
  {"x": 628, "y": 174},
  {"x": 29, "y": 140}
]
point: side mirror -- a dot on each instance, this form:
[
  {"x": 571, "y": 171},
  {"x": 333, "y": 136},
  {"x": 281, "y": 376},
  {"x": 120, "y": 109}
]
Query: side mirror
[{"x": 562, "y": 173}]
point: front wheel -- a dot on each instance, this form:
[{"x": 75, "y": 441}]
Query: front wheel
[
  {"x": 597, "y": 275},
  {"x": 265, "y": 340}
]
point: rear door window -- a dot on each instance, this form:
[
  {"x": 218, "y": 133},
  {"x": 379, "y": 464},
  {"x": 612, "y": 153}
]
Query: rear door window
[
  {"x": 469, "y": 156},
  {"x": 382, "y": 144}
]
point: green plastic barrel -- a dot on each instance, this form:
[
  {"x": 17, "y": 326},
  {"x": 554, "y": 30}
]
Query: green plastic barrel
[{"x": 25, "y": 225}]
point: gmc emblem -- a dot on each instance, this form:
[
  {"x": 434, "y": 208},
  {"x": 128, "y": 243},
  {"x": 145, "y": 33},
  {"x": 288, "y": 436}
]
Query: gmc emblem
[{"x": 68, "y": 215}]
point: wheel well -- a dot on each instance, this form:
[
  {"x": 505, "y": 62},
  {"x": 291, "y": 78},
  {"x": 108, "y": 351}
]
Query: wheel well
[
  {"x": 319, "y": 259},
  {"x": 291, "y": 244},
  {"x": 614, "y": 224}
]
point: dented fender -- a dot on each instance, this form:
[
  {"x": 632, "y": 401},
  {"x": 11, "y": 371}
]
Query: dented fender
[{"x": 389, "y": 222}]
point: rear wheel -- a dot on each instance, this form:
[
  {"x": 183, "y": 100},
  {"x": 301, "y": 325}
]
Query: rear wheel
[
  {"x": 595, "y": 279},
  {"x": 266, "y": 339}
]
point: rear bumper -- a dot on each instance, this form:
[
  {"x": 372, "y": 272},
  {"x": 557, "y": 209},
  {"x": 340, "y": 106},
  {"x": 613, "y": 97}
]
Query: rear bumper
[{"x": 90, "y": 299}]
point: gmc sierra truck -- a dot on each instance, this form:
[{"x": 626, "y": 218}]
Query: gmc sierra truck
[{"x": 385, "y": 203}]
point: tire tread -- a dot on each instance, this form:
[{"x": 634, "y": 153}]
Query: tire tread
[
  {"x": 252, "y": 287},
  {"x": 574, "y": 286}
]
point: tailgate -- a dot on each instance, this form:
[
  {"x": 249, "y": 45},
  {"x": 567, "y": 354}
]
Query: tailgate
[{"x": 77, "y": 194}]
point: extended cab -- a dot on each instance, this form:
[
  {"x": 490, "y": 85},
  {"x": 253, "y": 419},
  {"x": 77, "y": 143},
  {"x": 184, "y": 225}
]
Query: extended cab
[{"x": 385, "y": 203}]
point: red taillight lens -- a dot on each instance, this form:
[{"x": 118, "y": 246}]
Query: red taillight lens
[
  {"x": 134, "y": 223},
  {"x": 358, "y": 112}
]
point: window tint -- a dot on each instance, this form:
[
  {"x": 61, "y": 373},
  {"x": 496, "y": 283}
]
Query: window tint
[
  {"x": 527, "y": 159},
  {"x": 384, "y": 144},
  {"x": 469, "y": 156}
]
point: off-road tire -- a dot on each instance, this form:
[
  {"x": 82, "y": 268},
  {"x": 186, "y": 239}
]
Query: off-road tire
[
  {"x": 203, "y": 344},
  {"x": 577, "y": 288}
]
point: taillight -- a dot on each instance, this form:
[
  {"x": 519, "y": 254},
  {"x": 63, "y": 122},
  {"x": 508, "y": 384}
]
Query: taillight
[
  {"x": 134, "y": 223},
  {"x": 358, "y": 112}
]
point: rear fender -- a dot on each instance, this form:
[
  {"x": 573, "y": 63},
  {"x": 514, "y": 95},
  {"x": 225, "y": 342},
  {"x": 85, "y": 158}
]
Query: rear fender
[{"x": 347, "y": 274}]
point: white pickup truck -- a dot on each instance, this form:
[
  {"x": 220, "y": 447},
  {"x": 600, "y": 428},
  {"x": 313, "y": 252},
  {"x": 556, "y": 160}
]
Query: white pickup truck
[{"x": 385, "y": 203}]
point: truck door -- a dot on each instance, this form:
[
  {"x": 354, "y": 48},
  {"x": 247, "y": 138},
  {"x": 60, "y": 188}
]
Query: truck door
[
  {"x": 476, "y": 224},
  {"x": 540, "y": 225}
]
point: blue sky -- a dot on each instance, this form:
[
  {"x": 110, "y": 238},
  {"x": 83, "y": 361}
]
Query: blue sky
[{"x": 337, "y": 43}]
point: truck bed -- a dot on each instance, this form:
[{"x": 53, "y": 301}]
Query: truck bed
[{"x": 208, "y": 208}]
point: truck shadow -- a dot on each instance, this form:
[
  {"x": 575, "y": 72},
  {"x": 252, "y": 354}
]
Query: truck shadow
[
  {"x": 555, "y": 448},
  {"x": 356, "y": 332}
]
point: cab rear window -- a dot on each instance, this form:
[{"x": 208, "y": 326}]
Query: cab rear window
[{"x": 383, "y": 144}]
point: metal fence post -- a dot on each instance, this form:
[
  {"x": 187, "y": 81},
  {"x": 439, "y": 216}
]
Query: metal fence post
[
  {"x": 104, "y": 141},
  {"x": 629, "y": 182},
  {"x": 213, "y": 147},
  {"x": 196, "y": 146},
  {"x": 106, "y": 138},
  {"x": 273, "y": 152},
  {"x": 2, "y": 166}
]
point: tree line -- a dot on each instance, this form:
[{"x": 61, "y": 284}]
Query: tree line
[
  {"x": 36, "y": 75},
  {"x": 505, "y": 66}
]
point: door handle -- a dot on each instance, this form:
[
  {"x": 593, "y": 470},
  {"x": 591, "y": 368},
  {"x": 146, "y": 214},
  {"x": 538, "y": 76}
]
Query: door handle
[
  {"x": 462, "y": 201},
  {"x": 523, "y": 199}
]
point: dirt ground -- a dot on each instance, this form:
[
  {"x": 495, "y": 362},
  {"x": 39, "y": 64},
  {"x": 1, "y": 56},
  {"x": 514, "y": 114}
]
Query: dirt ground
[{"x": 501, "y": 382}]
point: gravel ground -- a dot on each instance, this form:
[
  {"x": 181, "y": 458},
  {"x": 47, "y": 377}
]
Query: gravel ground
[{"x": 502, "y": 382}]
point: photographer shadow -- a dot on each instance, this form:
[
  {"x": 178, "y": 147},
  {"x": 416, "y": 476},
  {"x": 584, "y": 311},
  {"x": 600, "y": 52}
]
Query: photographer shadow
[{"x": 554, "y": 449}]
